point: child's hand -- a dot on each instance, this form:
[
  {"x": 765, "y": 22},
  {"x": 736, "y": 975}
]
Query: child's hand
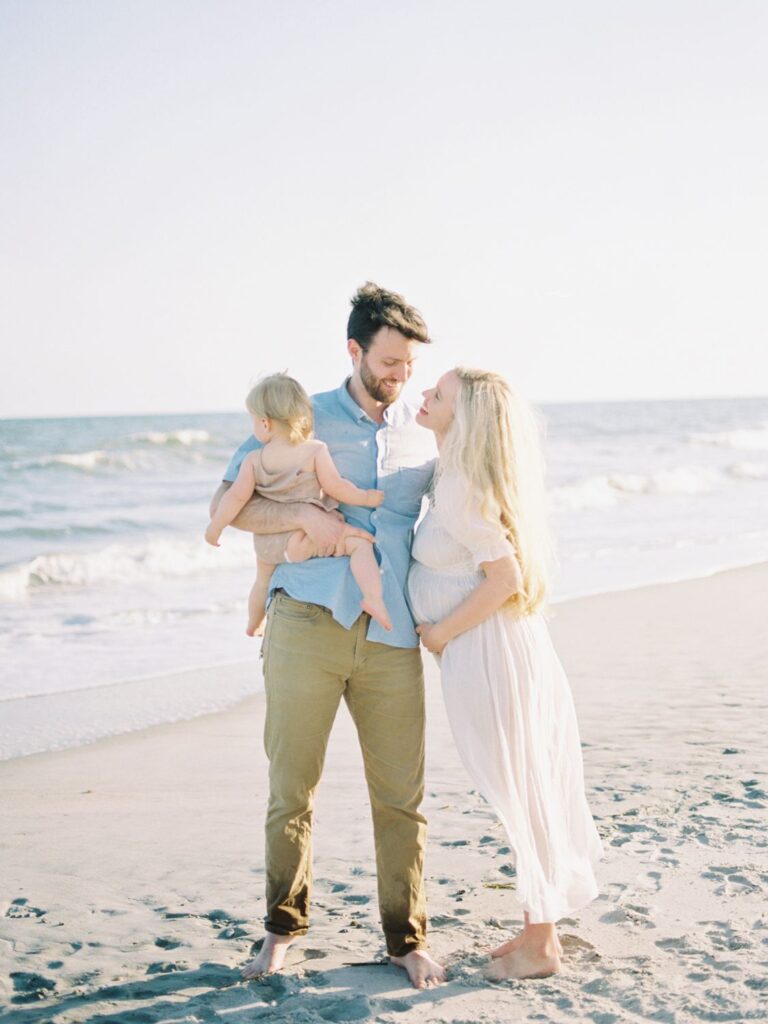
[
  {"x": 374, "y": 498},
  {"x": 212, "y": 536}
]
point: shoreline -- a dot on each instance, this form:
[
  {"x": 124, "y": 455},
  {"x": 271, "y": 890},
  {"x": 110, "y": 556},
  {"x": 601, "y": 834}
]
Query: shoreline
[
  {"x": 134, "y": 865},
  {"x": 241, "y": 679}
]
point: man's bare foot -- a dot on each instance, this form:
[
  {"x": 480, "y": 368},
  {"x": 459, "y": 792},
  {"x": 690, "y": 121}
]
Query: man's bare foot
[
  {"x": 516, "y": 943},
  {"x": 377, "y": 610},
  {"x": 423, "y": 971},
  {"x": 525, "y": 962},
  {"x": 270, "y": 958}
]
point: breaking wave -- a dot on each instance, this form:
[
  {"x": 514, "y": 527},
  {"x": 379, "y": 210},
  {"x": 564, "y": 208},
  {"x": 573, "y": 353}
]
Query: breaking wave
[
  {"x": 185, "y": 437},
  {"x": 604, "y": 491},
  {"x": 124, "y": 563},
  {"x": 746, "y": 439},
  {"x": 90, "y": 462}
]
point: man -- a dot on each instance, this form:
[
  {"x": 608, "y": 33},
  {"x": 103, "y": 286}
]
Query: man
[{"x": 319, "y": 646}]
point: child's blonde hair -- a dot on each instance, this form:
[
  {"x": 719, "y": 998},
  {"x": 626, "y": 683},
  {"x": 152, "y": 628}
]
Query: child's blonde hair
[
  {"x": 495, "y": 443},
  {"x": 281, "y": 398}
]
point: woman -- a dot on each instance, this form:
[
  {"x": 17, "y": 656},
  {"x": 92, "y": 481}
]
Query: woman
[{"x": 477, "y": 585}]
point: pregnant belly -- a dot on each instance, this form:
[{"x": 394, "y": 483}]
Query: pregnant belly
[{"x": 433, "y": 595}]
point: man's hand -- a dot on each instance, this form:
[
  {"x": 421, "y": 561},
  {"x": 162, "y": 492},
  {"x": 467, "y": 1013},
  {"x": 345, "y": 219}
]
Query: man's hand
[
  {"x": 375, "y": 498},
  {"x": 328, "y": 531}
]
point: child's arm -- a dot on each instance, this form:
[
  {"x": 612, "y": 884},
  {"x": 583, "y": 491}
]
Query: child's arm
[
  {"x": 232, "y": 501},
  {"x": 337, "y": 487}
]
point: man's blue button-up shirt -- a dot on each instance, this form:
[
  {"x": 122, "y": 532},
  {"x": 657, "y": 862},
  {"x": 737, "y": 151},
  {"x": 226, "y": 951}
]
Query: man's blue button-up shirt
[{"x": 396, "y": 457}]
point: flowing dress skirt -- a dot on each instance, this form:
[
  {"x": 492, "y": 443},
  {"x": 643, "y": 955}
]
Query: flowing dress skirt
[{"x": 514, "y": 723}]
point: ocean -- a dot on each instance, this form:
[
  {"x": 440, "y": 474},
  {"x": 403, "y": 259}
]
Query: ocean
[{"x": 109, "y": 596}]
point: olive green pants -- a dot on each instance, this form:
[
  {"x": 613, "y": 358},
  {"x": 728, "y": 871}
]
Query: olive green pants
[{"x": 310, "y": 663}]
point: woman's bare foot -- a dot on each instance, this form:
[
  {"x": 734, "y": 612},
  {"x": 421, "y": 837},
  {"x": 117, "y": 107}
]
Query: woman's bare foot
[
  {"x": 423, "y": 971},
  {"x": 377, "y": 610},
  {"x": 525, "y": 962},
  {"x": 516, "y": 943},
  {"x": 508, "y": 947},
  {"x": 270, "y": 958}
]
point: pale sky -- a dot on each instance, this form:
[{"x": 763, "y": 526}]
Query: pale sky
[{"x": 572, "y": 193}]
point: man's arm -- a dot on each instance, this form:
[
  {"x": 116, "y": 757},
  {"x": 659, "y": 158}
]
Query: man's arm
[{"x": 326, "y": 530}]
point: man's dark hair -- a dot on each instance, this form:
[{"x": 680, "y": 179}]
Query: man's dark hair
[{"x": 374, "y": 307}]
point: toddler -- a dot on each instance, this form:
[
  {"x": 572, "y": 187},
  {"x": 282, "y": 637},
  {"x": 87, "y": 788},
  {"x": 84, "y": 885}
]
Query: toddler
[{"x": 294, "y": 466}]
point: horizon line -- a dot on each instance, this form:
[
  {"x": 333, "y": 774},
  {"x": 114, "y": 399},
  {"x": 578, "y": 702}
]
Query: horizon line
[{"x": 230, "y": 412}]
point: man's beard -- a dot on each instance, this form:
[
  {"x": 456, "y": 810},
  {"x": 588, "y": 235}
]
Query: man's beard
[{"x": 375, "y": 385}]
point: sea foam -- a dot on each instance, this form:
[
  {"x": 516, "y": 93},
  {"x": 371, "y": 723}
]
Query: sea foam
[
  {"x": 173, "y": 437},
  {"x": 746, "y": 439},
  {"x": 89, "y": 462},
  {"x": 604, "y": 491},
  {"x": 125, "y": 563}
]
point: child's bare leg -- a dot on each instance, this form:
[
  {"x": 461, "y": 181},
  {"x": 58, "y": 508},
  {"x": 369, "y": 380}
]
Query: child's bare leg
[
  {"x": 299, "y": 547},
  {"x": 257, "y": 599},
  {"x": 365, "y": 569}
]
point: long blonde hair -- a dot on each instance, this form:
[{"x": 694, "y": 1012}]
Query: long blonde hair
[{"x": 495, "y": 443}]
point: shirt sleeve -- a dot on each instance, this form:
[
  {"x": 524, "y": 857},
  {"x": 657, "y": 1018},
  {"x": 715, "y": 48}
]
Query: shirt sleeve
[
  {"x": 459, "y": 512},
  {"x": 249, "y": 445}
]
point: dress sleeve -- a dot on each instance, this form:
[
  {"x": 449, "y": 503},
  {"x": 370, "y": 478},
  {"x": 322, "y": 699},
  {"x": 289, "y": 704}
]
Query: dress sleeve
[{"x": 458, "y": 511}]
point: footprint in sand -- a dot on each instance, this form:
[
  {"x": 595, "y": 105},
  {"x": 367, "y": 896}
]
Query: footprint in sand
[
  {"x": 699, "y": 976},
  {"x": 312, "y": 954},
  {"x": 392, "y": 1005},
  {"x": 324, "y": 1008},
  {"x": 29, "y": 987},
  {"x": 732, "y": 880},
  {"x": 167, "y": 967},
  {"x": 724, "y": 937},
  {"x": 629, "y": 914},
  {"x": 20, "y": 908},
  {"x": 680, "y": 945},
  {"x": 228, "y": 927},
  {"x": 441, "y": 920},
  {"x": 576, "y": 948}
]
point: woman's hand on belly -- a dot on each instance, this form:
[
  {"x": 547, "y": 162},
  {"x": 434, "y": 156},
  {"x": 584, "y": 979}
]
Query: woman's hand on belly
[{"x": 433, "y": 636}]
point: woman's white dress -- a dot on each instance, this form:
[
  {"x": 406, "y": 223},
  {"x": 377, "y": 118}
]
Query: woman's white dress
[{"x": 511, "y": 710}]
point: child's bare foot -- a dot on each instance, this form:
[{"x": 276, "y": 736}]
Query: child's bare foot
[
  {"x": 377, "y": 610},
  {"x": 270, "y": 958}
]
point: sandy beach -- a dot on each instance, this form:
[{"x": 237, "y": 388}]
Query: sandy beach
[{"x": 132, "y": 869}]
